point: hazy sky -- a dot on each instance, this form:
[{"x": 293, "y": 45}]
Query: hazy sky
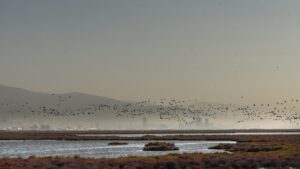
[{"x": 130, "y": 50}]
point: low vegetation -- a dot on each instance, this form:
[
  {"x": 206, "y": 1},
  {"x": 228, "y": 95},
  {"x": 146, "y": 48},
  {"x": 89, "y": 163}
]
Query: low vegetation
[{"x": 171, "y": 161}]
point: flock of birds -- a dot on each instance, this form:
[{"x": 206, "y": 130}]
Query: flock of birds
[
  {"x": 185, "y": 112},
  {"x": 281, "y": 111}
]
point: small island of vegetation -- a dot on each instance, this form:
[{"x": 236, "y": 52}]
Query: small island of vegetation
[
  {"x": 160, "y": 146},
  {"x": 117, "y": 143}
]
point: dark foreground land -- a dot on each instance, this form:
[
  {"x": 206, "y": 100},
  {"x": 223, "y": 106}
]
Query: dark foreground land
[{"x": 251, "y": 151}]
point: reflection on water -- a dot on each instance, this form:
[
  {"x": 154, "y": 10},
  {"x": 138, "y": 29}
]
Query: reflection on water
[
  {"x": 207, "y": 134},
  {"x": 17, "y": 148}
]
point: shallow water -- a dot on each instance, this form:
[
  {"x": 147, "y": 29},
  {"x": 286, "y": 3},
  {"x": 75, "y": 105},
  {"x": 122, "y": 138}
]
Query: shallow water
[{"x": 42, "y": 148}]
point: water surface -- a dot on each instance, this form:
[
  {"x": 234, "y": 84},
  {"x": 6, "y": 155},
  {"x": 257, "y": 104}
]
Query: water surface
[{"x": 42, "y": 148}]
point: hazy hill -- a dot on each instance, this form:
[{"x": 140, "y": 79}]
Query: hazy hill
[
  {"x": 23, "y": 107},
  {"x": 12, "y": 94}
]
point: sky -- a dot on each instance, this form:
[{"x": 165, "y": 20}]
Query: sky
[{"x": 210, "y": 50}]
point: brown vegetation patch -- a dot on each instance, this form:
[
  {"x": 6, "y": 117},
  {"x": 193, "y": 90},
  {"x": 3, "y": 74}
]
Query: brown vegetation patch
[
  {"x": 178, "y": 161},
  {"x": 247, "y": 147}
]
